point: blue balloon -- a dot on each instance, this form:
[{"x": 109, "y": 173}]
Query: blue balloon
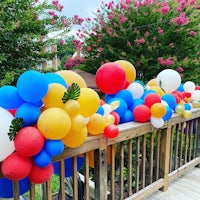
[
  {"x": 127, "y": 117},
  {"x": 168, "y": 113},
  {"x": 55, "y": 78},
  {"x": 29, "y": 112},
  {"x": 68, "y": 166},
  {"x": 6, "y": 188},
  {"x": 54, "y": 147},
  {"x": 32, "y": 86},
  {"x": 180, "y": 88},
  {"x": 126, "y": 95},
  {"x": 9, "y": 97},
  {"x": 100, "y": 110},
  {"x": 137, "y": 102},
  {"x": 108, "y": 97},
  {"x": 122, "y": 106},
  {"x": 170, "y": 99},
  {"x": 42, "y": 159},
  {"x": 187, "y": 106}
]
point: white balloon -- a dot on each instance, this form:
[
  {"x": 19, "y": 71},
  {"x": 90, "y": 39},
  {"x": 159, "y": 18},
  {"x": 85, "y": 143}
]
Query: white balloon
[
  {"x": 195, "y": 95},
  {"x": 136, "y": 89},
  {"x": 6, "y": 146},
  {"x": 107, "y": 109},
  {"x": 157, "y": 122},
  {"x": 189, "y": 86},
  {"x": 169, "y": 80}
]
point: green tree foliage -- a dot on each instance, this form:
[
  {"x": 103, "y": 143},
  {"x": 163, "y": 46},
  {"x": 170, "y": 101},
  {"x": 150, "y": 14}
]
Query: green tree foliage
[
  {"x": 152, "y": 35},
  {"x": 24, "y": 28}
]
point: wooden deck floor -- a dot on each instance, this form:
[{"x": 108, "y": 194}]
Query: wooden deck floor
[{"x": 186, "y": 187}]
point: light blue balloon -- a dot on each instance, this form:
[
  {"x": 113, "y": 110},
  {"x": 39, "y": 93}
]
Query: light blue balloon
[
  {"x": 9, "y": 97},
  {"x": 127, "y": 117},
  {"x": 168, "y": 113}
]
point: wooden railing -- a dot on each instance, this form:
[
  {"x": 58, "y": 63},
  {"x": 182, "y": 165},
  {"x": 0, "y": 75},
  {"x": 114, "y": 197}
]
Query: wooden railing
[{"x": 138, "y": 162}]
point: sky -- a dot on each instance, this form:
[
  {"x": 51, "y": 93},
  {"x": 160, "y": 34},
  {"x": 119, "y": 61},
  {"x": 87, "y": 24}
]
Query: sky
[{"x": 83, "y": 8}]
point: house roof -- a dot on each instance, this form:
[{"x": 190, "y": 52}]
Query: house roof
[{"x": 88, "y": 77}]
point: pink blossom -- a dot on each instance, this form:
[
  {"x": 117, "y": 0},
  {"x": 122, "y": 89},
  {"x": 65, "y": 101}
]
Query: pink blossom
[
  {"x": 198, "y": 7},
  {"x": 181, "y": 19},
  {"x": 154, "y": 38},
  {"x": 192, "y": 2},
  {"x": 36, "y": 1},
  {"x": 128, "y": 1},
  {"x": 146, "y": 34},
  {"x": 180, "y": 69},
  {"x": 142, "y": 41},
  {"x": 122, "y": 19},
  {"x": 192, "y": 33},
  {"x": 160, "y": 31},
  {"x": 89, "y": 48},
  {"x": 55, "y": 2},
  {"x": 165, "y": 62},
  {"x": 51, "y": 13},
  {"x": 165, "y": 9},
  {"x": 103, "y": 24},
  {"x": 61, "y": 42},
  {"x": 179, "y": 9},
  {"x": 128, "y": 44},
  {"x": 100, "y": 49},
  {"x": 115, "y": 24}
]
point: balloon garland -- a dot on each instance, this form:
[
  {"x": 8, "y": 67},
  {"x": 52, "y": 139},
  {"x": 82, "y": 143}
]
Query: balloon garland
[{"x": 55, "y": 110}]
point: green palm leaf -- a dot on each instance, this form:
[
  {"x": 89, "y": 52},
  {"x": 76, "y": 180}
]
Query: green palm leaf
[
  {"x": 15, "y": 126},
  {"x": 73, "y": 92}
]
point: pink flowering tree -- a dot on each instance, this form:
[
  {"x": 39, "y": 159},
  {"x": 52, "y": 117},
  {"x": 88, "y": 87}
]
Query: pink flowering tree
[
  {"x": 152, "y": 35},
  {"x": 25, "y": 26}
]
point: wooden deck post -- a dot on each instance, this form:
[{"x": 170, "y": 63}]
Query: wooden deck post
[
  {"x": 165, "y": 156},
  {"x": 197, "y": 141},
  {"x": 100, "y": 165}
]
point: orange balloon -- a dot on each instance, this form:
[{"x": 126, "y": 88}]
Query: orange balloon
[
  {"x": 75, "y": 138},
  {"x": 91, "y": 156},
  {"x": 158, "y": 110},
  {"x": 54, "y": 123},
  {"x": 54, "y": 96},
  {"x": 72, "y": 77},
  {"x": 96, "y": 124},
  {"x": 128, "y": 68}
]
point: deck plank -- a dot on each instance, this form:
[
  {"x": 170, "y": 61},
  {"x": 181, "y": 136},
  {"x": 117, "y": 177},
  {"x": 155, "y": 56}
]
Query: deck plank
[{"x": 185, "y": 187}]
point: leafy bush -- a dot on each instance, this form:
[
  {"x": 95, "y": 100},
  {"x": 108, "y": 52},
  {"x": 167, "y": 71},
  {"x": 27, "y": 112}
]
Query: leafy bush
[{"x": 152, "y": 35}]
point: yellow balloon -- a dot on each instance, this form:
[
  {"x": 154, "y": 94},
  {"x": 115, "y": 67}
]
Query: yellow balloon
[
  {"x": 187, "y": 114},
  {"x": 78, "y": 122},
  {"x": 54, "y": 123},
  {"x": 72, "y": 77},
  {"x": 157, "y": 89},
  {"x": 75, "y": 138},
  {"x": 96, "y": 124},
  {"x": 152, "y": 82},
  {"x": 180, "y": 109},
  {"x": 158, "y": 110},
  {"x": 110, "y": 119},
  {"x": 89, "y": 102},
  {"x": 72, "y": 107},
  {"x": 128, "y": 68},
  {"x": 54, "y": 96}
]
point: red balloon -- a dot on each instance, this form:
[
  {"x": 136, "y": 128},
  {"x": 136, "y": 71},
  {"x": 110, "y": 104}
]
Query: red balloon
[
  {"x": 197, "y": 87},
  {"x": 16, "y": 167},
  {"x": 29, "y": 141},
  {"x": 178, "y": 99},
  {"x": 179, "y": 94},
  {"x": 12, "y": 111},
  {"x": 142, "y": 113},
  {"x": 116, "y": 116},
  {"x": 102, "y": 102},
  {"x": 111, "y": 131},
  {"x": 110, "y": 78},
  {"x": 40, "y": 175},
  {"x": 152, "y": 98}
]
